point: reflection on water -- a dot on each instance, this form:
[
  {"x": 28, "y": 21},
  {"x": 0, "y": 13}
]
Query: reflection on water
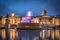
[
  {"x": 13, "y": 34},
  {"x": 30, "y": 34},
  {"x": 3, "y": 34}
]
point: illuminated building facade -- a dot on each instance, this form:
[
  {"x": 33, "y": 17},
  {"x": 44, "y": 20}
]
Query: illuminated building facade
[
  {"x": 45, "y": 19},
  {"x": 13, "y": 19}
]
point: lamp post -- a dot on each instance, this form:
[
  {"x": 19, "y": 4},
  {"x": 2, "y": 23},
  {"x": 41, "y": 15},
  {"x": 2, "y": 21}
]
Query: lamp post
[{"x": 6, "y": 26}]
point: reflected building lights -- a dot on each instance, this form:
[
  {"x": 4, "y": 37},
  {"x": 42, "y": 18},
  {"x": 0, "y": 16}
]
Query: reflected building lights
[
  {"x": 3, "y": 34},
  {"x": 13, "y": 34},
  {"x": 43, "y": 34}
]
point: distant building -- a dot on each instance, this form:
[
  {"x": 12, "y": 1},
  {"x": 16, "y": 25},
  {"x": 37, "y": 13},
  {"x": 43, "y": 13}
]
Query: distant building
[
  {"x": 13, "y": 19},
  {"x": 33, "y": 22},
  {"x": 44, "y": 18}
]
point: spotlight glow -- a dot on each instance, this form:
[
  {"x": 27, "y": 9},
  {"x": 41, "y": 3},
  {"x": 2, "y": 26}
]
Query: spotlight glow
[
  {"x": 29, "y": 13},
  {"x": 27, "y": 18}
]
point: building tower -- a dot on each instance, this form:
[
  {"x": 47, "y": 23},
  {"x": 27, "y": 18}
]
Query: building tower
[{"x": 44, "y": 13}]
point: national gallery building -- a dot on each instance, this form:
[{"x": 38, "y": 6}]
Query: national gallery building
[
  {"x": 43, "y": 19},
  {"x": 32, "y": 22}
]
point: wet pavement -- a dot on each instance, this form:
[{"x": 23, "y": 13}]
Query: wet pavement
[{"x": 13, "y": 34}]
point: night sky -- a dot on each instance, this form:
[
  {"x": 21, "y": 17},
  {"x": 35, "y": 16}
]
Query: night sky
[{"x": 21, "y": 7}]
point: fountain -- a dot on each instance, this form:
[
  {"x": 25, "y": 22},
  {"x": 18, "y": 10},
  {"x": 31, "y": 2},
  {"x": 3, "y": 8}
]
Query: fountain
[{"x": 27, "y": 18}]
